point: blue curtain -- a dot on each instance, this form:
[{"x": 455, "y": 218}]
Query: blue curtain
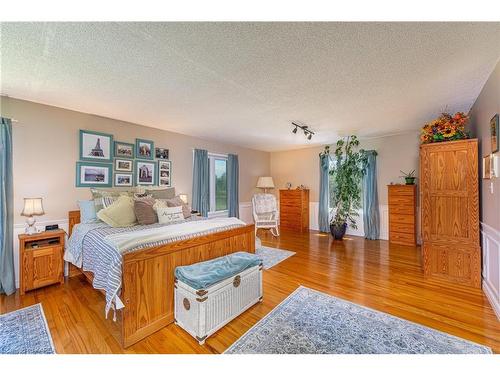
[
  {"x": 201, "y": 195},
  {"x": 323, "y": 217},
  {"x": 7, "y": 282},
  {"x": 371, "y": 217},
  {"x": 233, "y": 175}
]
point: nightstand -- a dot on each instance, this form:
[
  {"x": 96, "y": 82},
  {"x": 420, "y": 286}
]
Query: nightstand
[{"x": 41, "y": 259}]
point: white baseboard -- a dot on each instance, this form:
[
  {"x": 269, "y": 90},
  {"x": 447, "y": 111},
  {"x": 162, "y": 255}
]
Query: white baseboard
[{"x": 491, "y": 265}]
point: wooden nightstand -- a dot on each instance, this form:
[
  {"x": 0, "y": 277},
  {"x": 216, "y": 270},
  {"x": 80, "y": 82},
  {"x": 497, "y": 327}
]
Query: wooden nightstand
[{"x": 41, "y": 259}]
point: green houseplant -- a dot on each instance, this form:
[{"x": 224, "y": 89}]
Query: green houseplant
[{"x": 349, "y": 164}]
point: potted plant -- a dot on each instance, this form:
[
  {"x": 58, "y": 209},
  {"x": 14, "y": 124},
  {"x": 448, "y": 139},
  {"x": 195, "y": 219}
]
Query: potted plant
[
  {"x": 409, "y": 177},
  {"x": 347, "y": 173}
]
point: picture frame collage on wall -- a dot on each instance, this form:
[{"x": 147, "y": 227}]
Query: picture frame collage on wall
[{"x": 104, "y": 162}]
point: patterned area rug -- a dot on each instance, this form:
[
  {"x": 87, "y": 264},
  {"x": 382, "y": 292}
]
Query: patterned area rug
[
  {"x": 311, "y": 322},
  {"x": 271, "y": 256},
  {"x": 25, "y": 331}
]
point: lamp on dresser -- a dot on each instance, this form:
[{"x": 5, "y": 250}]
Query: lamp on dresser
[
  {"x": 265, "y": 183},
  {"x": 32, "y": 207}
]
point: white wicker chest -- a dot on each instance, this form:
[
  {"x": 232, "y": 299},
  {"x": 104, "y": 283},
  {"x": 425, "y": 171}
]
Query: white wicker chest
[{"x": 201, "y": 312}]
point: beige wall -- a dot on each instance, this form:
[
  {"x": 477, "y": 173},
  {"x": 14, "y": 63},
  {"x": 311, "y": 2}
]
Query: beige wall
[
  {"x": 395, "y": 153},
  {"x": 487, "y": 104},
  {"x": 45, "y": 150}
]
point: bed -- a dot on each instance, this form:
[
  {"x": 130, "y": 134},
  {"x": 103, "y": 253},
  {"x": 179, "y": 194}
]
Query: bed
[{"x": 146, "y": 274}]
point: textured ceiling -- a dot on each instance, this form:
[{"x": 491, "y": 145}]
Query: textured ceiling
[{"x": 243, "y": 83}]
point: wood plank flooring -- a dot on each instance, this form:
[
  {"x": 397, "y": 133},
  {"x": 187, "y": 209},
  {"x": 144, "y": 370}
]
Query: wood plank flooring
[{"x": 384, "y": 277}]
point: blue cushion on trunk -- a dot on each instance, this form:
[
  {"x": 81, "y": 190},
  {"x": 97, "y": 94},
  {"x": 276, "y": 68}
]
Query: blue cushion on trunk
[{"x": 204, "y": 274}]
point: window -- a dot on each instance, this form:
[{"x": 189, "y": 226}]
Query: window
[{"x": 218, "y": 183}]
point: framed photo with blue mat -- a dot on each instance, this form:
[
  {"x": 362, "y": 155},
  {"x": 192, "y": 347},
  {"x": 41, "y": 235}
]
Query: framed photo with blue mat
[
  {"x": 145, "y": 172},
  {"x": 124, "y": 150},
  {"x": 95, "y": 146},
  {"x": 144, "y": 149},
  {"x": 93, "y": 174}
]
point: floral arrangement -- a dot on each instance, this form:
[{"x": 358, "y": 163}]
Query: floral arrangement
[{"x": 445, "y": 128}]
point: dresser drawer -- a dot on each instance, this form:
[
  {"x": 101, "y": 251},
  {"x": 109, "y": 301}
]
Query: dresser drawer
[
  {"x": 402, "y": 200},
  {"x": 401, "y": 210},
  {"x": 401, "y": 190},
  {"x": 403, "y": 227},
  {"x": 400, "y": 218},
  {"x": 402, "y": 238}
]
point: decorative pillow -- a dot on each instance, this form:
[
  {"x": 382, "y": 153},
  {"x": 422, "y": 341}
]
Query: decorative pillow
[
  {"x": 108, "y": 201},
  {"x": 120, "y": 213},
  {"x": 87, "y": 211},
  {"x": 98, "y": 194},
  {"x": 178, "y": 202},
  {"x": 140, "y": 196},
  {"x": 167, "y": 215},
  {"x": 144, "y": 211},
  {"x": 166, "y": 193}
]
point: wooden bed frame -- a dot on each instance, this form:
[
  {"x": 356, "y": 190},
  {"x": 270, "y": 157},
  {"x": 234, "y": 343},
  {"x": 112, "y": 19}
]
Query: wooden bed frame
[{"x": 148, "y": 276}]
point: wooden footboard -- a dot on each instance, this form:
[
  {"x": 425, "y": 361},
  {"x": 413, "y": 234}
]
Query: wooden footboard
[{"x": 148, "y": 276}]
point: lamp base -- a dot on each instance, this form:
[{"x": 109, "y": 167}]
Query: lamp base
[{"x": 30, "y": 226}]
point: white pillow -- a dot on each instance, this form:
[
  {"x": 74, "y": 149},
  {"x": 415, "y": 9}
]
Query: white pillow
[{"x": 167, "y": 215}]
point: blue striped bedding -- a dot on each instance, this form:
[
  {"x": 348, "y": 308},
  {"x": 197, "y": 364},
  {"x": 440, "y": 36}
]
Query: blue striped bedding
[{"x": 88, "y": 249}]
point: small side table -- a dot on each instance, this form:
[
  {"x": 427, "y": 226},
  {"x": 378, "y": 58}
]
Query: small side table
[{"x": 41, "y": 259}]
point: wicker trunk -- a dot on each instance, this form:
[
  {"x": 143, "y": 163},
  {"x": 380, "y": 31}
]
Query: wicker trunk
[{"x": 203, "y": 312}]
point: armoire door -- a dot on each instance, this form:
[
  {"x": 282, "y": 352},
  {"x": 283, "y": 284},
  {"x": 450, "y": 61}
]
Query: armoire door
[{"x": 450, "y": 211}]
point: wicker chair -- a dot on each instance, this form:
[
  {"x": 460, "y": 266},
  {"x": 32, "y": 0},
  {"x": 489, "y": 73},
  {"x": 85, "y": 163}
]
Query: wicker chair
[{"x": 265, "y": 213}]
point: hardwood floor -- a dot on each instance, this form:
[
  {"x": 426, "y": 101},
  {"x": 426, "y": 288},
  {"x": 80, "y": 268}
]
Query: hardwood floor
[{"x": 384, "y": 277}]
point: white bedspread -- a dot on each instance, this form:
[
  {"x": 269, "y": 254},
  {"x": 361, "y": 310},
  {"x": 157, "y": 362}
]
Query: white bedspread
[{"x": 133, "y": 240}]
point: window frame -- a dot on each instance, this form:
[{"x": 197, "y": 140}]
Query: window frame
[{"x": 212, "y": 212}]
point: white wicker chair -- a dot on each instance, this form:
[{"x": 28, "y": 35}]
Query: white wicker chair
[{"x": 265, "y": 213}]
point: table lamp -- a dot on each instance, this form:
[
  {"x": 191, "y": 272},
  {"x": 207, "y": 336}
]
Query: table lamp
[
  {"x": 32, "y": 207},
  {"x": 265, "y": 183}
]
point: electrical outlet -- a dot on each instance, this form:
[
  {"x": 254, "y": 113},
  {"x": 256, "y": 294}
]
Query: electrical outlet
[{"x": 491, "y": 187}]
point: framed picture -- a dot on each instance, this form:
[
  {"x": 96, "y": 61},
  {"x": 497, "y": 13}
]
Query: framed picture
[
  {"x": 93, "y": 174},
  {"x": 124, "y": 179},
  {"x": 161, "y": 153},
  {"x": 165, "y": 173},
  {"x": 123, "y": 165},
  {"x": 124, "y": 150},
  {"x": 494, "y": 131},
  {"x": 145, "y": 172},
  {"x": 95, "y": 146},
  {"x": 487, "y": 167},
  {"x": 144, "y": 149}
]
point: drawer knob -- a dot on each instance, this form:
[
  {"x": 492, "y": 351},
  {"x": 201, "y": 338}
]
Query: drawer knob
[{"x": 186, "y": 304}]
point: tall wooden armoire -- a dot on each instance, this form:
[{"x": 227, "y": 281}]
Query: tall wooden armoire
[{"x": 449, "y": 199}]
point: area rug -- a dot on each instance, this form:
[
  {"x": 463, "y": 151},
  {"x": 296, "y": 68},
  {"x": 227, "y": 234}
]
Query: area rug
[
  {"x": 311, "y": 322},
  {"x": 25, "y": 331},
  {"x": 271, "y": 256}
]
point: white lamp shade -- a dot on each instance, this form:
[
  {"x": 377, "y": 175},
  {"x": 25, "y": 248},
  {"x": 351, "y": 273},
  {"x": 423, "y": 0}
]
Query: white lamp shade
[
  {"x": 32, "y": 206},
  {"x": 265, "y": 183}
]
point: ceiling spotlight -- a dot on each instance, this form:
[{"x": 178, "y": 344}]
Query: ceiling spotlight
[{"x": 307, "y": 132}]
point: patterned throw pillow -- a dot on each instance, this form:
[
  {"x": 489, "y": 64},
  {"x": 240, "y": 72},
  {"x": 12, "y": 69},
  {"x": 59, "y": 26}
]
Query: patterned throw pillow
[
  {"x": 178, "y": 202},
  {"x": 108, "y": 201},
  {"x": 168, "y": 215},
  {"x": 98, "y": 194}
]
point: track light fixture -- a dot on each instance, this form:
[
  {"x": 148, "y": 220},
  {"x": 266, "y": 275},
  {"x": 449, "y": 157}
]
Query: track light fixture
[{"x": 307, "y": 132}]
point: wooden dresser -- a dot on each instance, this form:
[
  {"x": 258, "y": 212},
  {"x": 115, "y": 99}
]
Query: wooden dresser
[
  {"x": 449, "y": 193},
  {"x": 402, "y": 214},
  {"x": 294, "y": 210}
]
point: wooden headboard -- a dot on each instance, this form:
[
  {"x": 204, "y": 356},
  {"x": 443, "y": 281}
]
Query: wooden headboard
[{"x": 73, "y": 219}]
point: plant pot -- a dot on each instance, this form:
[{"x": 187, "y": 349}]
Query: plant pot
[
  {"x": 338, "y": 231},
  {"x": 410, "y": 180}
]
